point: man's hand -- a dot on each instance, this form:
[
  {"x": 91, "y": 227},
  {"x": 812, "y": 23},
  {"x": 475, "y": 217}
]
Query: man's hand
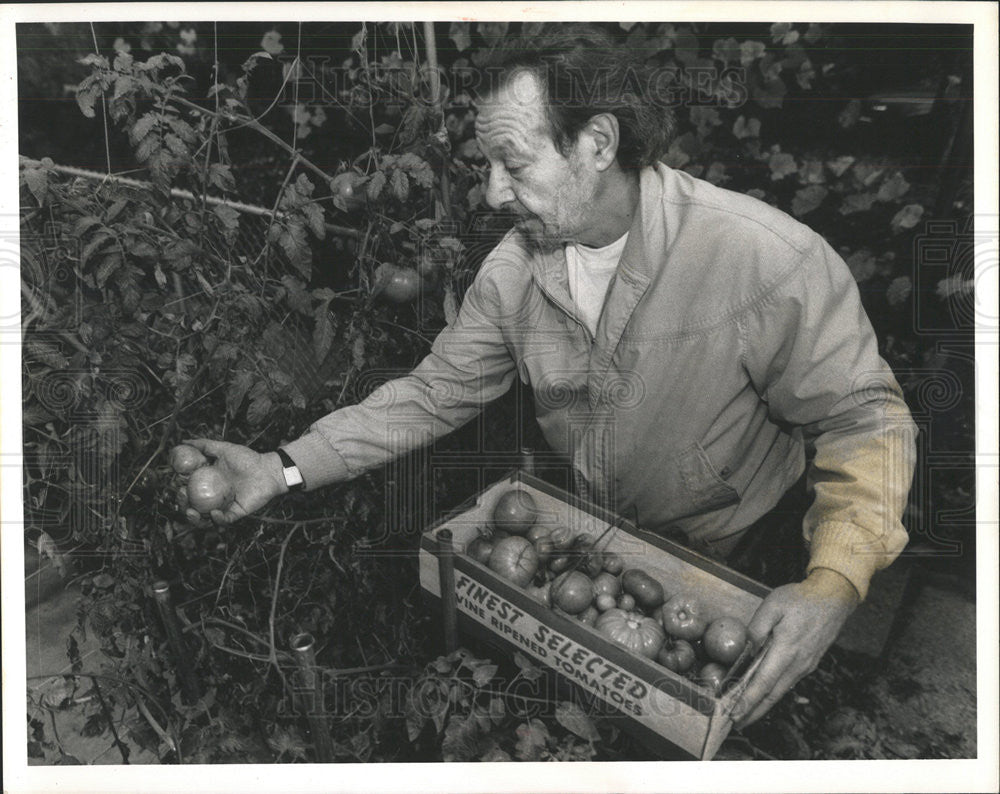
[
  {"x": 256, "y": 478},
  {"x": 804, "y": 620}
]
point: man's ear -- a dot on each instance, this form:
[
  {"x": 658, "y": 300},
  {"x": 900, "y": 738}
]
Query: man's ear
[{"x": 603, "y": 131}]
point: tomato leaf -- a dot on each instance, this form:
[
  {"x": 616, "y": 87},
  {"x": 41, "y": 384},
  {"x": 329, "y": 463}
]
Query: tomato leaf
[
  {"x": 532, "y": 737},
  {"x": 807, "y": 199},
  {"x": 483, "y": 674},
  {"x": 237, "y": 391},
  {"x": 575, "y": 720},
  {"x": 322, "y": 331},
  {"x": 907, "y": 218},
  {"x": 259, "y": 408}
]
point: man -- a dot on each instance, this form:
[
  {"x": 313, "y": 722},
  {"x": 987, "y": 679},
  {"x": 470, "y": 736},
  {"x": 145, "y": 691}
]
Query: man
[{"x": 685, "y": 345}]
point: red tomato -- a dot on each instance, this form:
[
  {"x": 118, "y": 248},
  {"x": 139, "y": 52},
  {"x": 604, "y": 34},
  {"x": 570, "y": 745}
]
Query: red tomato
[
  {"x": 185, "y": 459},
  {"x": 725, "y": 639},
  {"x": 572, "y": 592},
  {"x": 613, "y": 563},
  {"x": 711, "y": 676},
  {"x": 682, "y": 618},
  {"x": 209, "y": 489},
  {"x": 604, "y": 602},
  {"x": 647, "y": 592},
  {"x": 402, "y": 286},
  {"x": 678, "y": 656},
  {"x": 480, "y": 548},
  {"x": 515, "y": 512},
  {"x": 514, "y": 558},
  {"x": 607, "y": 584}
]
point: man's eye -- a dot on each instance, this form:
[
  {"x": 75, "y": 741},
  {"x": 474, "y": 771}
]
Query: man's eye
[{"x": 514, "y": 170}]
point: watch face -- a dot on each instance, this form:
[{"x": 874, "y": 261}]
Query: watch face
[{"x": 293, "y": 476}]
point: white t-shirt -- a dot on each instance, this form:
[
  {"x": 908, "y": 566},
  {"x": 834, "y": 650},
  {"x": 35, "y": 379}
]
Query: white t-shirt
[{"x": 590, "y": 271}]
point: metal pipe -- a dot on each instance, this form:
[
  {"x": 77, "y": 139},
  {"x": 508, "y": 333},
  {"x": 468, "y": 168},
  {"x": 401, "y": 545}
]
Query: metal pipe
[
  {"x": 310, "y": 695},
  {"x": 449, "y": 600},
  {"x": 188, "y": 681}
]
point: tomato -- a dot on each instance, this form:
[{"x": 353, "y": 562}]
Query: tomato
[
  {"x": 480, "y": 548},
  {"x": 604, "y": 602},
  {"x": 682, "y": 617},
  {"x": 209, "y": 489},
  {"x": 401, "y": 286},
  {"x": 589, "y": 616},
  {"x": 348, "y": 190},
  {"x": 613, "y": 563},
  {"x": 626, "y": 602},
  {"x": 185, "y": 459},
  {"x": 514, "y": 558},
  {"x": 561, "y": 537},
  {"x": 678, "y": 656},
  {"x": 711, "y": 676},
  {"x": 638, "y": 634},
  {"x": 560, "y": 563},
  {"x": 515, "y": 512},
  {"x": 608, "y": 584},
  {"x": 542, "y": 593},
  {"x": 647, "y": 592},
  {"x": 725, "y": 639},
  {"x": 539, "y": 532},
  {"x": 572, "y": 592}
]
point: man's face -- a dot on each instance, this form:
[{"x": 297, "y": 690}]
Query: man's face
[{"x": 552, "y": 195}]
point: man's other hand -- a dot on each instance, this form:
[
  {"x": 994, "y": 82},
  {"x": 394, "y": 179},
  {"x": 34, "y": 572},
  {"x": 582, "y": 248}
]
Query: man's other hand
[
  {"x": 803, "y": 620},
  {"x": 255, "y": 478}
]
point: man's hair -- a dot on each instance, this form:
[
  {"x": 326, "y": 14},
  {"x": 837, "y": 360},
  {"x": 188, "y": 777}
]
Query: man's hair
[{"x": 584, "y": 72}]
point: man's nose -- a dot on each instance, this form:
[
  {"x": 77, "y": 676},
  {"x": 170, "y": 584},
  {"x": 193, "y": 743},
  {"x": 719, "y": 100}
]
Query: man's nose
[{"x": 498, "y": 189}]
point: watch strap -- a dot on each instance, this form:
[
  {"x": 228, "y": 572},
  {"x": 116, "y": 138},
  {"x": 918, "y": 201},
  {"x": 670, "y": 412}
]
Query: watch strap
[{"x": 293, "y": 477}]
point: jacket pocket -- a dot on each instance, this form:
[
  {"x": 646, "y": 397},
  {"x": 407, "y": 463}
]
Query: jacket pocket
[{"x": 704, "y": 484}]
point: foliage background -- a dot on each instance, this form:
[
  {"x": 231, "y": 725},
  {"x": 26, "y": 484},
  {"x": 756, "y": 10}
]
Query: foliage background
[{"x": 149, "y": 317}]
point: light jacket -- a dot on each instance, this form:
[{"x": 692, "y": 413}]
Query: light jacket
[{"x": 732, "y": 339}]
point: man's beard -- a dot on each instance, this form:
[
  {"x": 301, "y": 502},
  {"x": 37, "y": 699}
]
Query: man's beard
[{"x": 536, "y": 236}]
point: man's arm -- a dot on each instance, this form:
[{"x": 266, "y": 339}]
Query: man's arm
[
  {"x": 469, "y": 365},
  {"x": 812, "y": 355}
]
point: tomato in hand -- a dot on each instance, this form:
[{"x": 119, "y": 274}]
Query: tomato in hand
[
  {"x": 185, "y": 459},
  {"x": 209, "y": 489},
  {"x": 725, "y": 639},
  {"x": 682, "y": 617}
]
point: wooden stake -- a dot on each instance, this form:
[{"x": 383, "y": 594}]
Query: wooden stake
[
  {"x": 310, "y": 695},
  {"x": 449, "y": 602},
  {"x": 190, "y": 691}
]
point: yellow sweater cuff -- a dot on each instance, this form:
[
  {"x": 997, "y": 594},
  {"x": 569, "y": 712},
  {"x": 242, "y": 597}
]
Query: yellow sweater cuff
[{"x": 849, "y": 550}]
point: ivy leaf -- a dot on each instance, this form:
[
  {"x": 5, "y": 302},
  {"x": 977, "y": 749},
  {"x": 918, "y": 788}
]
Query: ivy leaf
[
  {"x": 750, "y": 51},
  {"x": 862, "y": 265},
  {"x": 230, "y": 218},
  {"x": 47, "y": 353},
  {"x": 492, "y": 32},
  {"x": 483, "y": 674},
  {"x": 726, "y": 50},
  {"x": 746, "y": 129},
  {"x": 38, "y": 183},
  {"x": 807, "y": 199},
  {"x": 811, "y": 173},
  {"x": 857, "y": 202},
  {"x": 575, "y": 720},
  {"x": 781, "y": 164},
  {"x": 528, "y": 669},
  {"x": 259, "y": 408},
  {"x": 783, "y": 33},
  {"x": 237, "y": 390},
  {"x": 717, "y": 173},
  {"x": 893, "y": 189},
  {"x": 322, "y": 331},
  {"x": 899, "y": 290},
  {"x": 400, "y": 185},
  {"x": 458, "y": 32},
  {"x": 531, "y": 740},
  {"x": 840, "y": 165},
  {"x": 221, "y": 176},
  {"x": 850, "y": 114},
  {"x": 287, "y": 742},
  {"x": 907, "y": 218},
  {"x": 770, "y": 93}
]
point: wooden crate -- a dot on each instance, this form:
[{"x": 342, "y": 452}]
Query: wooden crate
[{"x": 657, "y": 704}]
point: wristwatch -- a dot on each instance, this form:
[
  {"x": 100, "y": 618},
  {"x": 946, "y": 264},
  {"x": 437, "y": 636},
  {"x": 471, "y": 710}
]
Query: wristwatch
[{"x": 293, "y": 477}]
